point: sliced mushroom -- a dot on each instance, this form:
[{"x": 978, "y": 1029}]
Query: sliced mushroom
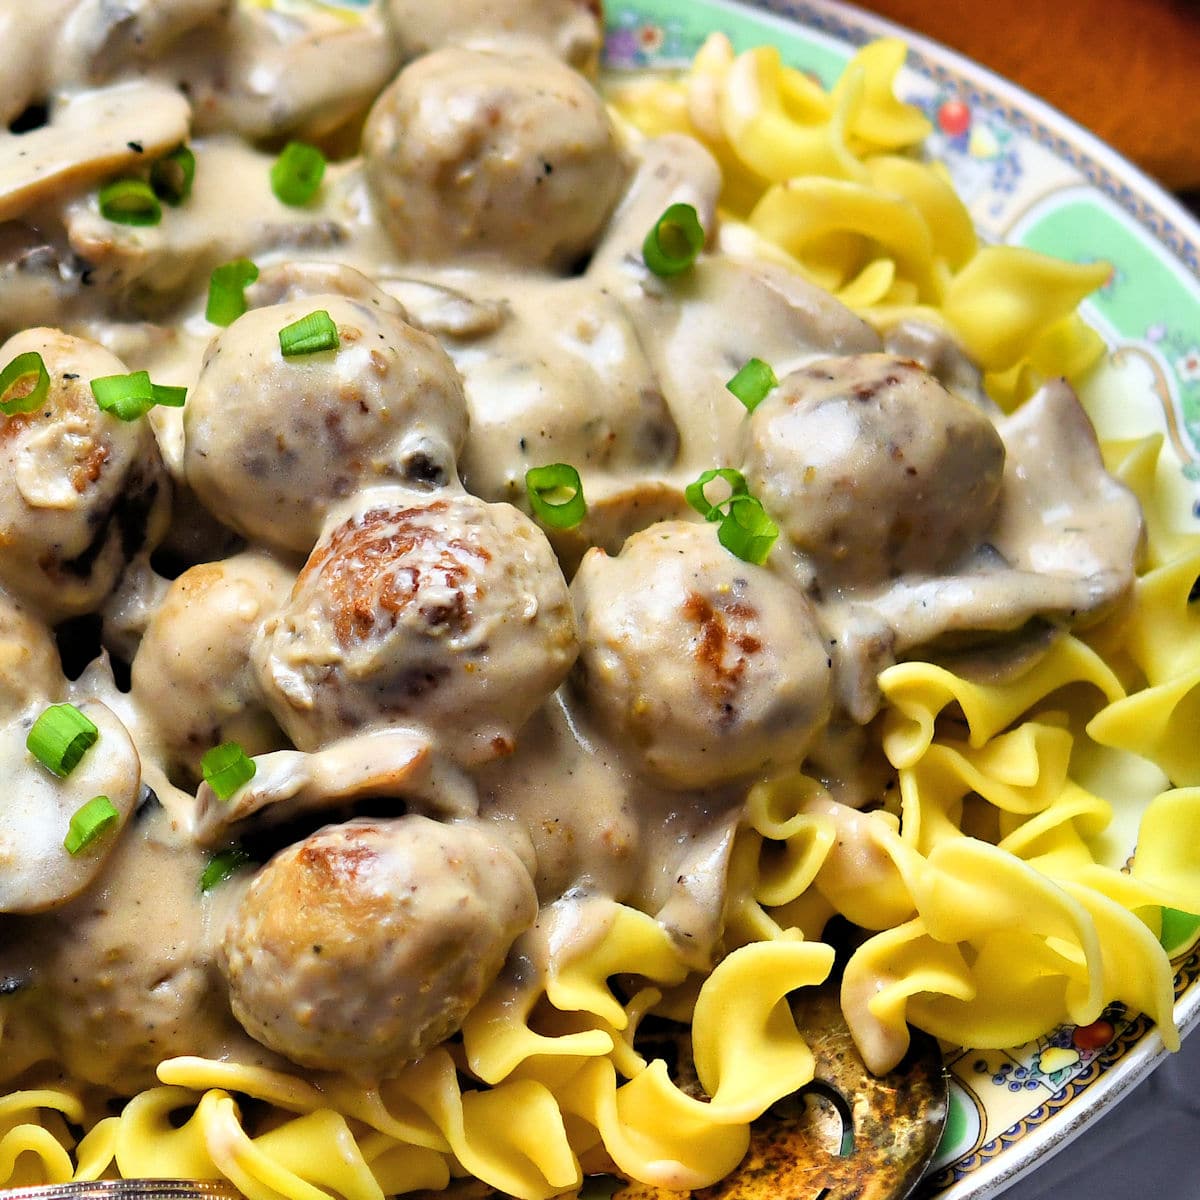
[
  {"x": 293, "y": 280},
  {"x": 91, "y": 136},
  {"x": 36, "y": 871},
  {"x": 100, "y": 38},
  {"x": 393, "y": 763}
]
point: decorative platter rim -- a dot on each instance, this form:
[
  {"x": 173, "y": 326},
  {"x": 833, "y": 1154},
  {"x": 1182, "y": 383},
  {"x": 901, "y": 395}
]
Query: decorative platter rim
[{"x": 1029, "y": 174}]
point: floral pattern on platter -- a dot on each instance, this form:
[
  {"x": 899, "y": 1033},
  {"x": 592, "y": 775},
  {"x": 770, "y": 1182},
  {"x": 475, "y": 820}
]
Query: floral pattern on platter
[{"x": 1030, "y": 178}]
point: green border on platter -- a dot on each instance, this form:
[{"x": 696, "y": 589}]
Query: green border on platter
[{"x": 1156, "y": 265}]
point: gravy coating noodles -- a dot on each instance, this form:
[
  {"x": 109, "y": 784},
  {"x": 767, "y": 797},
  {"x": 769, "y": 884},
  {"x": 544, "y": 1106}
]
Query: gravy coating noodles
[{"x": 418, "y": 667}]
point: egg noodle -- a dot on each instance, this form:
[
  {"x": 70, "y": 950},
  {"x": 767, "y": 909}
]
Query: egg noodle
[{"x": 990, "y": 919}]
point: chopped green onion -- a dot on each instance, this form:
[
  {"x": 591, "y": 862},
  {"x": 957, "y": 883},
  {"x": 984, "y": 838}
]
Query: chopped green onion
[
  {"x": 130, "y": 202},
  {"x": 221, "y": 866},
  {"x": 226, "y": 768},
  {"x": 561, "y": 511},
  {"x": 128, "y": 397},
  {"x": 95, "y": 818},
  {"x": 296, "y": 173},
  {"x": 60, "y": 737},
  {"x": 27, "y": 366},
  {"x": 671, "y": 246},
  {"x": 227, "y": 291},
  {"x": 747, "y": 531},
  {"x": 752, "y": 383},
  {"x": 309, "y": 335},
  {"x": 168, "y": 396},
  {"x": 171, "y": 176},
  {"x": 694, "y": 492}
]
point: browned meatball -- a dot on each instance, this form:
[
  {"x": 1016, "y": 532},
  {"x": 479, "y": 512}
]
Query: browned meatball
[
  {"x": 272, "y": 442},
  {"x": 80, "y": 490},
  {"x": 704, "y": 667},
  {"x": 364, "y": 946},
  {"x": 449, "y": 615},
  {"x": 506, "y": 156},
  {"x": 192, "y": 680},
  {"x": 872, "y": 468}
]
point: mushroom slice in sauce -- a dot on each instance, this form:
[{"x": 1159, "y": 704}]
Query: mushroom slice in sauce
[
  {"x": 91, "y": 136},
  {"x": 387, "y": 763},
  {"x": 36, "y": 871}
]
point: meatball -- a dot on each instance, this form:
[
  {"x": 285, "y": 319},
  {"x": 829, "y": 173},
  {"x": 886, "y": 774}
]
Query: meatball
[
  {"x": 364, "y": 946},
  {"x": 124, "y": 976},
  {"x": 272, "y": 441},
  {"x": 872, "y": 468},
  {"x": 564, "y": 379},
  {"x": 706, "y": 668},
  {"x": 80, "y": 490},
  {"x": 572, "y": 29},
  {"x": 192, "y": 681},
  {"x": 506, "y": 156},
  {"x": 449, "y": 615},
  {"x": 30, "y": 667}
]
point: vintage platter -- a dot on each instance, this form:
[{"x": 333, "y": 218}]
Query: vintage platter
[{"x": 1031, "y": 178}]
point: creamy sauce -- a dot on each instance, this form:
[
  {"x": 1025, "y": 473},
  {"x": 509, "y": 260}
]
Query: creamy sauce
[{"x": 566, "y": 723}]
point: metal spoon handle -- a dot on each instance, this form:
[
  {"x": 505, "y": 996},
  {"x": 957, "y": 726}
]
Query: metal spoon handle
[{"x": 127, "y": 1189}]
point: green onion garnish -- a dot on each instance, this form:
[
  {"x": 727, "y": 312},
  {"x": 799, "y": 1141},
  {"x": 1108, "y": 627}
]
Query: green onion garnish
[
  {"x": 752, "y": 383},
  {"x": 226, "y": 768},
  {"x": 747, "y": 531},
  {"x": 309, "y": 335},
  {"x": 17, "y": 393},
  {"x": 221, "y": 866},
  {"x": 556, "y": 495},
  {"x": 96, "y": 817},
  {"x": 694, "y": 492},
  {"x": 128, "y": 397},
  {"x": 130, "y": 202},
  {"x": 60, "y": 737},
  {"x": 171, "y": 176},
  {"x": 297, "y": 172},
  {"x": 227, "y": 291},
  {"x": 671, "y": 246},
  {"x": 745, "y": 528}
]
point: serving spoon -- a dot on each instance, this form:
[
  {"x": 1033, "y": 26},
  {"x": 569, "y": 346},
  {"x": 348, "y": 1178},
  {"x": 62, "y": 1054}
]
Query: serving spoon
[{"x": 849, "y": 1135}]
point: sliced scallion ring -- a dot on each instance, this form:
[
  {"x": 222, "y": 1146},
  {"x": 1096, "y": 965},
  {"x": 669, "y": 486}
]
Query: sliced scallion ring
[
  {"x": 752, "y": 383},
  {"x": 90, "y": 823},
  {"x": 297, "y": 173},
  {"x": 227, "y": 291},
  {"x": 226, "y": 768},
  {"x": 130, "y": 202},
  {"x": 309, "y": 335},
  {"x": 221, "y": 866},
  {"x": 171, "y": 176},
  {"x": 671, "y": 246},
  {"x": 128, "y": 397},
  {"x": 746, "y": 531},
  {"x": 24, "y": 383},
  {"x": 60, "y": 737},
  {"x": 694, "y": 492},
  {"x": 556, "y": 495}
]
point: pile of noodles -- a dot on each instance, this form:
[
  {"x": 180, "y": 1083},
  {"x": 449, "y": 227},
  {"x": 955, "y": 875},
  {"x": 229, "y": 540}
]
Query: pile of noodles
[{"x": 990, "y": 919}]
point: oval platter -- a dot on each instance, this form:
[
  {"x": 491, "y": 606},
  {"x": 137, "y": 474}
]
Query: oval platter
[{"x": 1033, "y": 178}]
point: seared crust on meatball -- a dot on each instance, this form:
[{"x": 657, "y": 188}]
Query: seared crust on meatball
[
  {"x": 364, "y": 946},
  {"x": 272, "y": 442},
  {"x": 509, "y": 157},
  {"x": 872, "y": 468},
  {"x": 707, "y": 668},
  {"x": 450, "y": 616}
]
